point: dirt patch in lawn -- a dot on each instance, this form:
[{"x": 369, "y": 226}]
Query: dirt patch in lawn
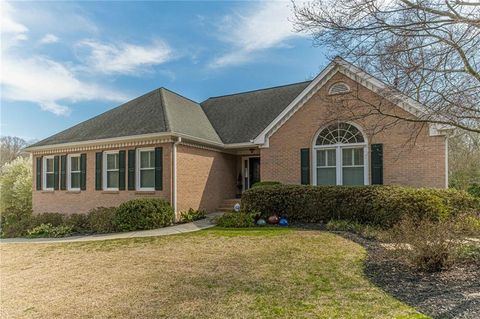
[{"x": 216, "y": 273}]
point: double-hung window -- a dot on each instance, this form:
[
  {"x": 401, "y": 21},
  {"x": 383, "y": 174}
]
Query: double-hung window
[
  {"x": 73, "y": 172},
  {"x": 326, "y": 167},
  {"x": 48, "y": 173},
  {"x": 111, "y": 170},
  {"x": 145, "y": 169},
  {"x": 340, "y": 156}
]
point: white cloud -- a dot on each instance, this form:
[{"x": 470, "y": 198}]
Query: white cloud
[
  {"x": 264, "y": 26},
  {"x": 39, "y": 79},
  {"x": 123, "y": 58},
  {"x": 49, "y": 38},
  {"x": 9, "y": 25},
  {"x": 48, "y": 83}
]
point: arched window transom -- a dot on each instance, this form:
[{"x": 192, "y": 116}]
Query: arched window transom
[
  {"x": 340, "y": 133},
  {"x": 340, "y": 156},
  {"x": 339, "y": 88}
]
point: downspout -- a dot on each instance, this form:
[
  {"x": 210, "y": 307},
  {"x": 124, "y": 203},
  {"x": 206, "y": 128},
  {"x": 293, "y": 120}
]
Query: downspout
[{"x": 174, "y": 175}]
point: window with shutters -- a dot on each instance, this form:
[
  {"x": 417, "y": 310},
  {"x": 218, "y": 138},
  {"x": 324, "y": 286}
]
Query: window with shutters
[
  {"x": 145, "y": 169},
  {"x": 110, "y": 170},
  {"x": 73, "y": 172},
  {"x": 340, "y": 156},
  {"x": 338, "y": 88},
  {"x": 48, "y": 173}
]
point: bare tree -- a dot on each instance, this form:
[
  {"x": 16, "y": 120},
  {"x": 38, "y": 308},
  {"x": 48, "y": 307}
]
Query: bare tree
[
  {"x": 426, "y": 49},
  {"x": 10, "y": 148}
]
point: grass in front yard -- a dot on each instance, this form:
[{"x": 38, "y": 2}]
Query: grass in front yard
[{"x": 216, "y": 273}]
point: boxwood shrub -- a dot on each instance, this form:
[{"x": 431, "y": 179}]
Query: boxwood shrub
[
  {"x": 376, "y": 205},
  {"x": 143, "y": 213},
  {"x": 266, "y": 183}
]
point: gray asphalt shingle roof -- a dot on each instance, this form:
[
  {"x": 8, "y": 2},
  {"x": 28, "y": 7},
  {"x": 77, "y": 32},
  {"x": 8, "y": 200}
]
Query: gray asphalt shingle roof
[
  {"x": 241, "y": 117},
  {"x": 235, "y": 118}
]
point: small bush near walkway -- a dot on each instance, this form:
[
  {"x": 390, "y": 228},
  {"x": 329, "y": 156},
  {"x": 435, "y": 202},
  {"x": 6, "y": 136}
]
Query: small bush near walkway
[
  {"x": 192, "y": 215},
  {"x": 137, "y": 214},
  {"x": 375, "y": 205},
  {"x": 48, "y": 230},
  {"x": 100, "y": 220},
  {"x": 240, "y": 219},
  {"x": 145, "y": 213}
]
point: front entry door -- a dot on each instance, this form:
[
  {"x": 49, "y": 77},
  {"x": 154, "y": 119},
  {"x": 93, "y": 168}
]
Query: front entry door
[{"x": 251, "y": 171}]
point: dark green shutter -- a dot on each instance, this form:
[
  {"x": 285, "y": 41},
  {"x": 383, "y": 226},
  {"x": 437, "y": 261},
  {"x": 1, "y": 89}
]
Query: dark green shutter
[
  {"x": 377, "y": 164},
  {"x": 98, "y": 171},
  {"x": 39, "y": 173},
  {"x": 63, "y": 172},
  {"x": 121, "y": 170},
  {"x": 131, "y": 170},
  {"x": 83, "y": 171},
  {"x": 305, "y": 166},
  {"x": 158, "y": 168},
  {"x": 56, "y": 172}
]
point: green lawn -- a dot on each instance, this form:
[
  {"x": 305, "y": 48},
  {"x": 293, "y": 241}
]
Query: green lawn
[{"x": 216, "y": 273}]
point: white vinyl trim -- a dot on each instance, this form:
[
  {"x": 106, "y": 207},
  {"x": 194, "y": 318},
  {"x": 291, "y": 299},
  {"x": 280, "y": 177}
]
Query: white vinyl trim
[
  {"x": 69, "y": 171},
  {"x": 104, "y": 171},
  {"x": 44, "y": 173},
  {"x": 339, "y": 147},
  {"x": 138, "y": 169},
  {"x": 356, "y": 74},
  {"x": 246, "y": 171}
]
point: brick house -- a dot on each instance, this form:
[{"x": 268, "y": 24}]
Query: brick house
[{"x": 196, "y": 155}]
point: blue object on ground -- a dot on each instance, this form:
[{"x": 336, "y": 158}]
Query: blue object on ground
[{"x": 283, "y": 222}]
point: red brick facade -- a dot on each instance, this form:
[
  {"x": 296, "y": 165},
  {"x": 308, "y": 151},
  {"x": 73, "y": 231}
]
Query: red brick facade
[
  {"x": 206, "y": 176},
  {"x": 418, "y": 162}
]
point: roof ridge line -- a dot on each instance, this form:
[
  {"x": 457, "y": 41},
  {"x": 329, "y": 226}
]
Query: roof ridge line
[
  {"x": 256, "y": 90},
  {"x": 178, "y": 94},
  {"x": 164, "y": 110}
]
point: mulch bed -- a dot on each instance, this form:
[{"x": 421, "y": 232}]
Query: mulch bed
[{"x": 454, "y": 293}]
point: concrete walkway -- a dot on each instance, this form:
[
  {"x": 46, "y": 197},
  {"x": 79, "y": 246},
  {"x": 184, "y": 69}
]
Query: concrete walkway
[{"x": 170, "y": 230}]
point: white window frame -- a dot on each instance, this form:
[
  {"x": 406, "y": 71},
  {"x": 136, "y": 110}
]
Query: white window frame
[
  {"x": 69, "y": 171},
  {"x": 104, "y": 177},
  {"x": 330, "y": 89},
  {"x": 339, "y": 156},
  {"x": 44, "y": 173},
  {"x": 137, "y": 169}
]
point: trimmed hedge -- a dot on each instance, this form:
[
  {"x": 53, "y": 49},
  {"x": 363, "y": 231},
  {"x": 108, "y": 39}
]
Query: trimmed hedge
[
  {"x": 377, "y": 205},
  {"x": 143, "y": 213},
  {"x": 266, "y": 183}
]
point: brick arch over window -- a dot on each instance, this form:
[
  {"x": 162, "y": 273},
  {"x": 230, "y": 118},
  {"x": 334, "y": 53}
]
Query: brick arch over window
[{"x": 340, "y": 155}]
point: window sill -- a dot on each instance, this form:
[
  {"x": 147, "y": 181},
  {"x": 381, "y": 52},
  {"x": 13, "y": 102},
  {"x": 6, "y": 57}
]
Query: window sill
[
  {"x": 140, "y": 192},
  {"x": 111, "y": 192},
  {"x": 48, "y": 191},
  {"x": 73, "y": 191}
]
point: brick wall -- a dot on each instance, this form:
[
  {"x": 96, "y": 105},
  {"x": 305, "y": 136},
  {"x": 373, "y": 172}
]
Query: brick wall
[
  {"x": 414, "y": 160},
  {"x": 81, "y": 202},
  {"x": 204, "y": 178}
]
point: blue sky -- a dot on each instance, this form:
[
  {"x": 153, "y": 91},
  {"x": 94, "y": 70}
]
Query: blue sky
[{"x": 65, "y": 62}]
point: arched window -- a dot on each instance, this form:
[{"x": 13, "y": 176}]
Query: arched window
[
  {"x": 338, "y": 88},
  {"x": 340, "y": 156}
]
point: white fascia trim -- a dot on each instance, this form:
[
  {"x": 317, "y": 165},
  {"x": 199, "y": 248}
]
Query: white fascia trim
[
  {"x": 261, "y": 139},
  {"x": 140, "y": 137},
  {"x": 339, "y": 65}
]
